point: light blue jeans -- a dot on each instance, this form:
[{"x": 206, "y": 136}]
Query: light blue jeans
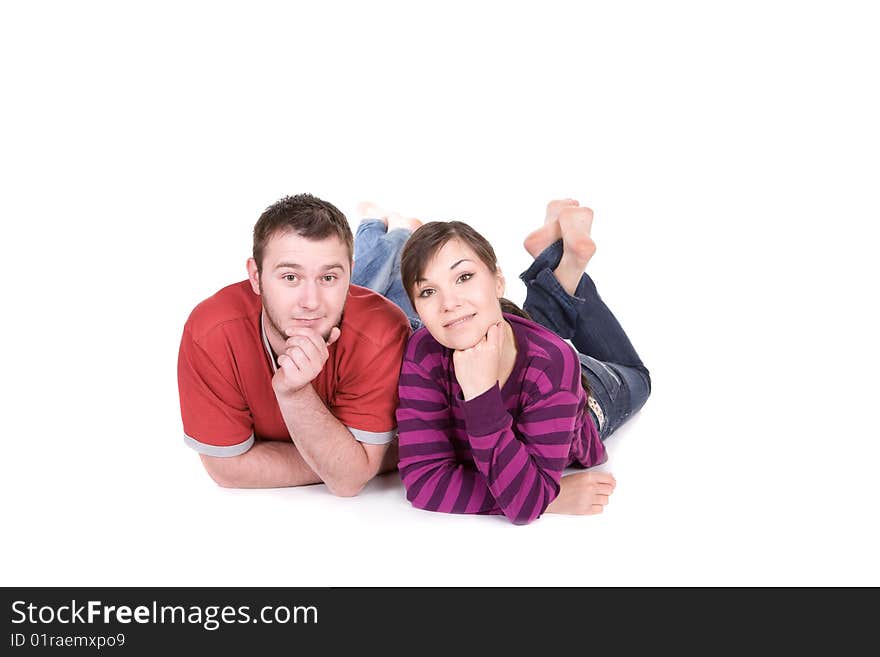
[{"x": 377, "y": 263}]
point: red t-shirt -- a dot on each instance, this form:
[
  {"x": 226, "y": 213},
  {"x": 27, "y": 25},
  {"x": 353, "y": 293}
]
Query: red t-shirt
[{"x": 224, "y": 372}]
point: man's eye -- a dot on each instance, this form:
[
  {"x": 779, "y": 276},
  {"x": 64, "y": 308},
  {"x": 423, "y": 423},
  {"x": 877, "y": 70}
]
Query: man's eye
[
  {"x": 289, "y": 277},
  {"x": 465, "y": 277},
  {"x": 329, "y": 278},
  {"x": 426, "y": 292}
]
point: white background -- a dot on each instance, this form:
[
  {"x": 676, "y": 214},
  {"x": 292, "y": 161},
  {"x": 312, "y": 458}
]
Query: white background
[{"x": 729, "y": 150}]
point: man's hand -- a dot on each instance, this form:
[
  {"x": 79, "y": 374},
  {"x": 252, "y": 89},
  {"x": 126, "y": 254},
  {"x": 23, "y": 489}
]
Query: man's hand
[
  {"x": 303, "y": 359},
  {"x": 477, "y": 368},
  {"x": 584, "y": 493}
]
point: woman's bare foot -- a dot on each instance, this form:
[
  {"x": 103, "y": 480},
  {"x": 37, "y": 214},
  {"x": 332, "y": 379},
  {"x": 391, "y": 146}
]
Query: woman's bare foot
[
  {"x": 575, "y": 224},
  {"x": 557, "y": 206},
  {"x": 540, "y": 239}
]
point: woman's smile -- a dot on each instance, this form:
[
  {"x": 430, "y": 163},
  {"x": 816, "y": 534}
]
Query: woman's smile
[{"x": 459, "y": 322}]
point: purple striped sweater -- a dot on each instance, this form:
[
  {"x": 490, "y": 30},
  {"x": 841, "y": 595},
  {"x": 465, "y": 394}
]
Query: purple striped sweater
[{"x": 502, "y": 452}]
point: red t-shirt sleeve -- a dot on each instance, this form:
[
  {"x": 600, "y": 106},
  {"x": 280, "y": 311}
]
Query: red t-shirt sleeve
[
  {"x": 216, "y": 417},
  {"x": 366, "y": 395}
]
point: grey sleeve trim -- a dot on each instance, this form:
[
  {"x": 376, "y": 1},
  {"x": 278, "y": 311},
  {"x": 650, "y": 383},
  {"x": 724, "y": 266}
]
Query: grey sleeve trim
[
  {"x": 213, "y": 450},
  {"x": 372, "y": 438}
]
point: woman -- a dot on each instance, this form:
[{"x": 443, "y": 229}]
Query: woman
[{"x": 494, "y": 406}]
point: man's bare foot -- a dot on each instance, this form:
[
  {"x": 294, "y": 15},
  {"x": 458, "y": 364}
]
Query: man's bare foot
[
  {"x": 584, "y": 493},
  {"x": 575, "y": 223},
  {"x": 540, "y": 239},
  {"x": 395, "y": 220},
  {"x": 369, "y": 210}
]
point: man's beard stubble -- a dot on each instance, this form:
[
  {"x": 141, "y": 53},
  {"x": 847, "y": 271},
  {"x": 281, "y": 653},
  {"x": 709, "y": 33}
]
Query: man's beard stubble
[{"x": 275, "y": 325}]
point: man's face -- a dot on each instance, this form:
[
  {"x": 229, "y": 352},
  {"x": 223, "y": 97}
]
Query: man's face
[
  {"x": 457, "y": 297},
  {"x": 304, "y": 283}
]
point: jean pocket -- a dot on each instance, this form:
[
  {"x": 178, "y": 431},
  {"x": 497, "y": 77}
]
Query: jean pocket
[{"x": 606, "y": 377}]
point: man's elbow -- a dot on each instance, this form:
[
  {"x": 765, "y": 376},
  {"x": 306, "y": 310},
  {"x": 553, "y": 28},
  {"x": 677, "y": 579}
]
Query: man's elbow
[
  {"x": 376, "y": 461},
  {"x": 353, "y": 484},
  {"x": 220, "y": 471},
  {"x": 348, "y": 488},
  {"x": 224, "y": 481}
]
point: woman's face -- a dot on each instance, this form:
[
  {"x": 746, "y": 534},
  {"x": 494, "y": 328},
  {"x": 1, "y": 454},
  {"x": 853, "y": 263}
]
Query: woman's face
[{"x": 457, "y": 296}]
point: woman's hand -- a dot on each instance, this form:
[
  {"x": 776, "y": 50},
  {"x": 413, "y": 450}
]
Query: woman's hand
[
  {"x": 584, "y": 493},
  {"x": 477, "y": 368}
]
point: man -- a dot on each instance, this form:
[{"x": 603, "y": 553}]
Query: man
[{"x": 290, "y": 377}]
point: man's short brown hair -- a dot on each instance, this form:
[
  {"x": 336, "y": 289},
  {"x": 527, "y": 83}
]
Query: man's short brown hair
[{"x": 307, "y": 216}]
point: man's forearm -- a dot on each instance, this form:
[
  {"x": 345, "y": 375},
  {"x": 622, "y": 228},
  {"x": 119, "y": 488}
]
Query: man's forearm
[
  {"x": 268, "y": 464},
  {"x": 325, "y": 444}
]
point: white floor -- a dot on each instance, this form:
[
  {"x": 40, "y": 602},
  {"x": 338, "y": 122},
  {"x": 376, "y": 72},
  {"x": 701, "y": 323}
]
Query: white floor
[{"x": 731, "y": 160}]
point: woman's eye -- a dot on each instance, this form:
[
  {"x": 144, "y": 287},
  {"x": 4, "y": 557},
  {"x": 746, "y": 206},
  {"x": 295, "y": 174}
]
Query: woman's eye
[
  {"x": 426, "y": 292},
  {"x": 465, "y": 277}
]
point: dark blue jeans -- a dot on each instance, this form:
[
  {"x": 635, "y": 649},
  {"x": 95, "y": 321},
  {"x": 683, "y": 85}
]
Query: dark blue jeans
[{"x": 619, "y": 381}]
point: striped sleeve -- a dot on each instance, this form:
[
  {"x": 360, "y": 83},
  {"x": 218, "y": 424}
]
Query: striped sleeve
[
  {"x": 433, "y": 477},
  {"x": 522, "y": 463},
  {"x": 518, "y": 466}
]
